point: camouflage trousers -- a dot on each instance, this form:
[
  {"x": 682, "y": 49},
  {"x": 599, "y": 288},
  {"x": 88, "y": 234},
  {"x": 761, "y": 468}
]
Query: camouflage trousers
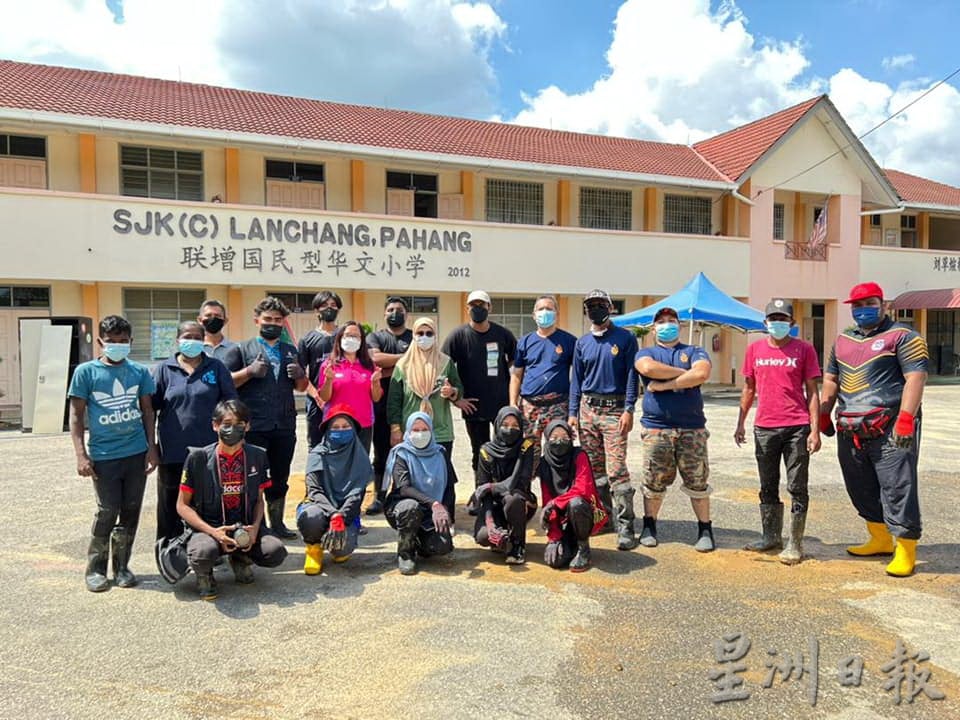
[
  {"x": 605, "y": 446},
  {"x": 667, "y": 451},
  {"x": 535, "y": 421}
]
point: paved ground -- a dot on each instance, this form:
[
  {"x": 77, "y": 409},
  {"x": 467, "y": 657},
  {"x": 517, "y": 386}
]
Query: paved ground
[{"x": 468, "y": 637}]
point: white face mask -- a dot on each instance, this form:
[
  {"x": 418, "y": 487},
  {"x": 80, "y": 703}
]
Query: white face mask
[
  {"x": 350, "y": 344},
  {"x": 420, "y": 438},
  {"x": 425, "y": 342}
]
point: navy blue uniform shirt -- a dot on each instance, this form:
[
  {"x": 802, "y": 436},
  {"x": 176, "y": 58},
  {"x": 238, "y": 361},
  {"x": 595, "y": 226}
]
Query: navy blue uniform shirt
[
  {"x": 184, "y": 405},
  {"x": 604, "y": 364},
  {"x": 673, "y": 408},
  {"x": 546, "y": 363}
]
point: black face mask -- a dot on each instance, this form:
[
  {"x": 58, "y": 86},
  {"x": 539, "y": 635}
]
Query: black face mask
[
  {"x": 329, "y": 314},
  {"x": 396, "y": 319},
  {"x": 598, "y": 314},
  {"x": 231, "y": 434},
  {"x": 561, "y": 448},
  {"x": 510, "y": 435},
  {"x": 478, "y": 313},
  {"x": 271, "y": 332},
  {"x": 213, "y": 325}
]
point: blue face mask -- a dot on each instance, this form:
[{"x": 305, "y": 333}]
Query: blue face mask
[
  {"x": 667, "y": 332},
  {"x": 190, "y": 348},
  {"x": 116, "y": 352},
  {"x": 545, "y": 318},
  {"x": 778, "y": 329},
  {"x": 866, "y": 316},
  {"x": 339, "y": 438}
]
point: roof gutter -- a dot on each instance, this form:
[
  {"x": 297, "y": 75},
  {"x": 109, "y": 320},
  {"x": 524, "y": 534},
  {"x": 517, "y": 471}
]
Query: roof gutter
[
  {"x": 294, "y": 144},
  {"x": 932, "y": 206},
  {"x": 886, "y": 211},
  {"x": 742, "y": 198}
]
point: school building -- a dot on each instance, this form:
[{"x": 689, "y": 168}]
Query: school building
[{"x": 144, "y": 197}]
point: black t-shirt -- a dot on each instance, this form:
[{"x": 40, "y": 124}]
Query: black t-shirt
[
  {"x": 312, "y": 350},
  {"x": 483, "y": 362},
  {"x": 386, "y": 342}
]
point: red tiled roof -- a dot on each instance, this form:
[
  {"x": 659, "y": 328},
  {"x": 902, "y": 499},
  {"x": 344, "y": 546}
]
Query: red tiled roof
[
  {"x": 734, "y": 151},
  {"x": 137, "y": 99},
  {"x": 920, "y": 190},
  {"x": 928, "y": 299}
]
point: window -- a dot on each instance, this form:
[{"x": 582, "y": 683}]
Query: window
[
  {"x": 908, "y": 231},
  {"x": 423, "y": 187},
  {"x": 294, "y": 171},
  {"x": 778, "y": 214},
  {"x": 161, "y": 173},
  {"x": 687, "y": 214},
  {"x": 605, "y": 208},
  {"x": 418, "y": 305},
  {"x": 875, "y": 221},
  {"x": 905, "y": 317},
  {"x": 514, "y": 314},
  {"x": 816, "y": 213},
  {"x": 23, "y": 146},
  {"x": 511, "y": 201},
  {"x": 296, "y": 302},
  {"x": 154, "y": 314},
  {"x": 19, "y": 296}
]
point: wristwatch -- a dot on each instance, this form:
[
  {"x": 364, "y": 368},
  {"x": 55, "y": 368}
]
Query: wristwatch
[{"x": 630, "y": 408}]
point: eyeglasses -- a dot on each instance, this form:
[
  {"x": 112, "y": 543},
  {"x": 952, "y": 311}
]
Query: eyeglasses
[{"x": 425, "y": 333}]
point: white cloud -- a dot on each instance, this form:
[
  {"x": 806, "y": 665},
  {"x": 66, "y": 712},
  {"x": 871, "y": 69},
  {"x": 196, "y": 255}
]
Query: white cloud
[
  {"x": 897, "y": 61},
  {"x": 680, "y": 71},
  {"x": 422, "y": 54}
]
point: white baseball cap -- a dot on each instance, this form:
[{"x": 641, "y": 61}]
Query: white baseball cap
[{"x": 478, "y": 295}]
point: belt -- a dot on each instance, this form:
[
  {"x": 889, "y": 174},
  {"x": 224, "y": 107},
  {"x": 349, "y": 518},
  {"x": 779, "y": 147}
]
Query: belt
[
  {"x": 544, "y": 400},
  {"x": 602, "y": 400}
]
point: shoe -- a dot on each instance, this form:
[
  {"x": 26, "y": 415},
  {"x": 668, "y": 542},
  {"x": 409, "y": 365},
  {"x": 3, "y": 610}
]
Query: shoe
[
  {"x": 407, "y": 565},
  {"x": 96, "y": 573},
  {"x": 904, "y": 558},
  {"x": 648, "y": 536},
  {"x": 375, "y": 508},
  {"x": 517, "y": 555},
  {"x": 771, "y": 520},
  {"x": 705, "y": 541},
  {"x": 242, "y": 570},
  {"x": 581, "y": 561},
  {"x": 207, "y": 587},
  {"x": 312, "y": 559},
  {"x": 793, "y": 552},
  {"x": 880, "y": 542},
  {"x": 121, "y": 543},
  {"x": 340, "y": 559},
  {"x": 275, "y": 515}
]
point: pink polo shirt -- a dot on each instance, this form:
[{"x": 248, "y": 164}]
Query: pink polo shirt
[
  {"x": 351, "y": 386},
  {"x": 780, "y": 374}
]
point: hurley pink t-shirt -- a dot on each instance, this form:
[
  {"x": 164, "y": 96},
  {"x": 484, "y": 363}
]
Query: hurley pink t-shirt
[
  {"x": 351, "y": 385},
  {"x": 779, "y": 374}
]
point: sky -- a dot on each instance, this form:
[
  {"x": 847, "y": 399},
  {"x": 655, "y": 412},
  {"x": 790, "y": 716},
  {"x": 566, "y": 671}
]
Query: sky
[{"x": 669, "y": 70}]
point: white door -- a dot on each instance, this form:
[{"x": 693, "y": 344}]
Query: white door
[{"x": 10, "y": 352}]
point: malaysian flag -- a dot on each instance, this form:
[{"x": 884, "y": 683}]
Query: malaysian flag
[{"x": 818, "y": 237}]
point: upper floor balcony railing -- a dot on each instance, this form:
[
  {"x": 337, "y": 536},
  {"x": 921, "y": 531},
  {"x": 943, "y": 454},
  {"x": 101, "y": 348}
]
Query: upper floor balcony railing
[{"x": 805, "y": 251}]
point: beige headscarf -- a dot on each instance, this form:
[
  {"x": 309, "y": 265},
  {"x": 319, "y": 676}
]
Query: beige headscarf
[{"x": 421, "y": 368}]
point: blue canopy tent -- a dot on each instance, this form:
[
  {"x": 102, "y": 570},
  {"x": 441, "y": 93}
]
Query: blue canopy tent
[{"x": 700, "y": 301}]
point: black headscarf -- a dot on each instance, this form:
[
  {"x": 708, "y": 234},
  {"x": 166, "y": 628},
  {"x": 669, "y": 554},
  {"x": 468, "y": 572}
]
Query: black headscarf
[
  {"x": 558, "y": 472},
  {"x": 497, "y": 448}
]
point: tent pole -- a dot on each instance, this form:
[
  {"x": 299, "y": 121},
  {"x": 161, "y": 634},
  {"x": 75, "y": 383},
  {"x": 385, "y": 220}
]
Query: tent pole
[{"x": 690, "y": 334}]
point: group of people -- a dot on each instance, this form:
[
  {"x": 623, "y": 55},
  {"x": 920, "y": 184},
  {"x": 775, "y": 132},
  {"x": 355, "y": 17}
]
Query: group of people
[{"x": 218, "y": 421}]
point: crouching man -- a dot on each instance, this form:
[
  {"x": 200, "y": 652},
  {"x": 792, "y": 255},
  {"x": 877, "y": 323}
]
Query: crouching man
[{"x": 221, "y": 499}]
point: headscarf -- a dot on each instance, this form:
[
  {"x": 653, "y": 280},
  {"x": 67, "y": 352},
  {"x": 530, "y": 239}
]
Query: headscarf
[
  {"x": 497, "y": 448},
  {"x": 427, "y": 466},
  {"x": 421, "y": 368},
  {"x": 558, "y": 473},
  {"x": 344, "y": 470}
]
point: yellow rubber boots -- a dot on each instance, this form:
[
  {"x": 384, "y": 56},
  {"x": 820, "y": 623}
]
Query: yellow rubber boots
[
  {"x": 312, "y": 559},
  {"x": 880, "y": 542},
  {"x": 904, "y": 558}
]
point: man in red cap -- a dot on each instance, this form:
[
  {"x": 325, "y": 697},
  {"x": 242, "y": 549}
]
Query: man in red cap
[{"x": 877, "y": 371}]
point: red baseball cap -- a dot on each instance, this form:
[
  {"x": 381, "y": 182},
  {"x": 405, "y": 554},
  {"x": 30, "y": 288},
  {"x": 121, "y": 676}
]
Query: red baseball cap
[{"x": 864, "y": 291}]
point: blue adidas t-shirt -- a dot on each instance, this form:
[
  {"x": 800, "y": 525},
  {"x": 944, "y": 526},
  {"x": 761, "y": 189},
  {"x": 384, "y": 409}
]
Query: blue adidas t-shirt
[
  {"x": 112, "y": 394},
  {"x": 546, "y": 362},
  {"x": 673, "y": 408}
]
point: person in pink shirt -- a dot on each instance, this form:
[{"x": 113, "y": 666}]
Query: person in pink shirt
[
  {"x": 348, "y": 376},
  {"x": 781, "y": 372}
]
